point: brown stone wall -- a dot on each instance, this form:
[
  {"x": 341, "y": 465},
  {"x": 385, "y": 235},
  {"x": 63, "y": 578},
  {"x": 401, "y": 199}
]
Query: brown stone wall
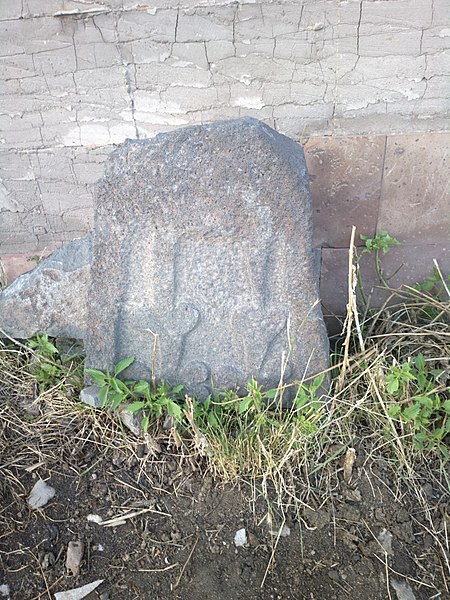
[{"x": 396, "y": 183}]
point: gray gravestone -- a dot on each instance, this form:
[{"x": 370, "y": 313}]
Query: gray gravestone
[{"x": 202, "y": 261}]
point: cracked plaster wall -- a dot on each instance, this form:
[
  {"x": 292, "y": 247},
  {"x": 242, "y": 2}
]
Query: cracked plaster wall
[{"x": 352, "y": 77}]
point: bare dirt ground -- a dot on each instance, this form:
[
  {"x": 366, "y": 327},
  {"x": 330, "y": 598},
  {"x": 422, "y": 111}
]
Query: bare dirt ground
[{"x": 368, "y": 540}]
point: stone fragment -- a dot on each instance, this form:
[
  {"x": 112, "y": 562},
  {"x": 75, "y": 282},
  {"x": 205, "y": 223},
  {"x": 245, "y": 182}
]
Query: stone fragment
[
  {"x": 75, "y": 551},
  {"x": 403, "y": 590},
  {"x": 132, "y": 421},
  {"x": 240, "y": 538},
  {"x": 285, "y": 531},
  {"x": 52, "y": 297},
  {"x": 90, "y": 395},
  {"x": 385, "y": 539},
  {"x": 78, "y": 593},
  {"x": 40, "y": 494},
  {"x": 202, "y": 264}
]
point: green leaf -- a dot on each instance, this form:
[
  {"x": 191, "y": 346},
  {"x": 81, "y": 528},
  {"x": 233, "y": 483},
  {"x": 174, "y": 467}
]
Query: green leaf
[
  {"x": 419, "y": 361},
  {"x": 212, "y": 421},
  {"x": 439, "y": 433},
  {"x": 123, "y": 364},
  {"x": 120, "y": 386},
  {"x": 174, "y": 410},
  {"x": 411, "y": 412},
  {"x": 394, "y": 410},
  {"x": 425, "y": 401},
  {"x": 134, "y": 407},
  {"x": 392, "y": 384},
  {"x": 145, "y": 423},
  {"x": 116, "y": 399},
  {"x": 141, "y": 387},
  {"x": 49, "y": 347},
  {"x": 271, "y": 394},
  {"x": 244, "y": 404},
  {"x": 318, "y": 381},
  {"x": 177, "y": 389},
  {"x": 103, "y": 396},
  {"x": 97, "y": 377},
  {"x": 446, "y": 406}
]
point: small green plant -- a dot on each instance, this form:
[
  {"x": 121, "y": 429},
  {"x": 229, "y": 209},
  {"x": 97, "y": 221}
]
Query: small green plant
[
  {"x": 382, "y": 242},
  {"x": 434, "y": 286},
  {"x": 254, "y": 435},
  {"x": 378, "y": 245},
  {"x": 114, "y": 392},
  {"x": 48, "y": 367},
  {"x": 419, "y": 404},
  {"x": 161, "y": 402}
]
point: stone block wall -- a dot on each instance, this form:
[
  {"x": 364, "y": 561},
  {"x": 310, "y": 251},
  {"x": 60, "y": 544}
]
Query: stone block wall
[{"x": 363, "y": 83}]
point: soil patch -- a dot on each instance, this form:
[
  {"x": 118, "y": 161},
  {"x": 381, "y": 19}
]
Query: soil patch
[{"x": 367, "y": 541}]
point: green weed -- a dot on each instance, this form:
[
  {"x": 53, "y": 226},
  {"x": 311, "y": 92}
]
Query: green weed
[
  {"x": 420, "y": 402},
  {"x": 378, "y": 245},
  {"x": 49, "y": 367},
  {"x": 136, "y": 396}
]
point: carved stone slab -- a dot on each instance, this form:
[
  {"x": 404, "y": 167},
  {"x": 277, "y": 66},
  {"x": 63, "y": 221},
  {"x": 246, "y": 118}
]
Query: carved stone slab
[{"x": 202, "y": 262}]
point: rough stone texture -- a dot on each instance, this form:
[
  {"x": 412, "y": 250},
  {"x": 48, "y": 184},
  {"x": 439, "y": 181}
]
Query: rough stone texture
[
  {"x": 52, "y": 297},
  {"x": 416, "y": 188},
  {"x": 202, "y": 246},
  {"x": 402, "y": 265},
  {"x": 346, "y": 187}
]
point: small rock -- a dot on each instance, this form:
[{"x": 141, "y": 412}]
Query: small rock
[
  {"x": 352, "y": 495},
  {"x": 4, "y": 590},
  {"x": 252, "y": 539},
  {"x": 385, "y": 539},
  {"x": 90, "y": 395},
  {"x": 349, "y": 461},
  {"x": 316, "y": 518},
  {"x": 403, "y": 590},
  {"x": 48, "y": 560},
  {"x": 285, "y": 531},
  {"x": 40, "y": 494},
  {"x": 104, "y": 596},
  {"x": 132, "y": 421},
  {"x": 240, "y": 539},
  {"x": 95, "y": 519},
  {"x": 75, "y": 551},
  {"x": 78, "y": 593}
]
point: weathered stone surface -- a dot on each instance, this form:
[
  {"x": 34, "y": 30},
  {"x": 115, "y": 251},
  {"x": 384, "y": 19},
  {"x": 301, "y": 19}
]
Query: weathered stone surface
[
  {"x": 402, "y": 265},
  {"x": 345, "y": 187},
  {"x": 202, "y": 260},
  {"x": 52, "y": 297},
  {"x": 415, "y": 189}
]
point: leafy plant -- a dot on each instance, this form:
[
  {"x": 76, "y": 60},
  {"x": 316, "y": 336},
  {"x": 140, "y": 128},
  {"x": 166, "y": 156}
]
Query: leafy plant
[
  {"x": 156, "y": 404},
  {"x": 48, "y": 367},
  {"x": 380, "y": 244},
  {"x": 420, "y": 405},
  {"x": 114, "y": 392}
]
